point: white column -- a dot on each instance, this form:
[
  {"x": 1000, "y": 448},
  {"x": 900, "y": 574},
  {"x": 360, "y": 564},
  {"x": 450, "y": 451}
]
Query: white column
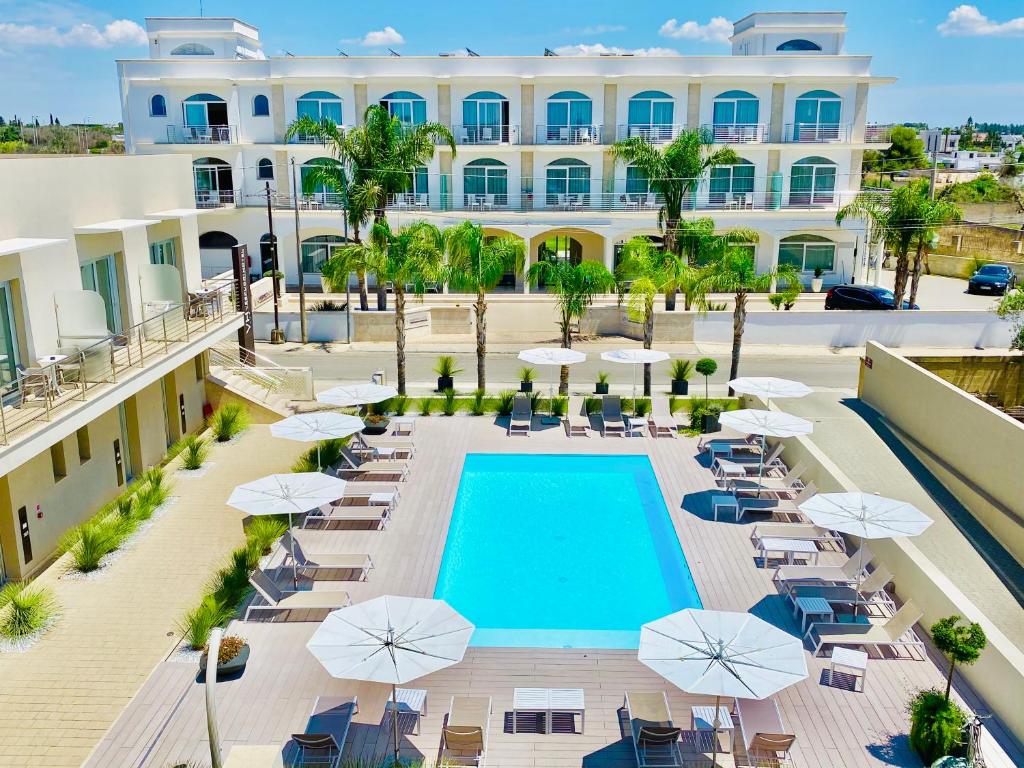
[
  {"x": 609, "y": 253},
  {"x": 526, "y": 265}
]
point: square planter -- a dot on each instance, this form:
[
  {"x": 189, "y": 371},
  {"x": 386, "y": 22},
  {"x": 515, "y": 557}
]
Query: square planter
[
  {"x": 526, "y": 386},
  {"x": 445, "y": 382},
  {"x": 709, "y": 423},
  {"x": 680, "y": 387},
  {"x": 601, "y": 389}
]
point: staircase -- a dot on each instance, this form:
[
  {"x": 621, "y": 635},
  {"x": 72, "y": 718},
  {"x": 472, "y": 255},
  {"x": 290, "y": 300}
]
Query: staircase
[{"x": 282, "y": 390}]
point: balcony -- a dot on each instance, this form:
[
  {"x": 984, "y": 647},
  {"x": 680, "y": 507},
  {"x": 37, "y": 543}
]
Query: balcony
[
  {"x": 654, "y": 133},
  {"x": 816, "y": 133},
  {"x": 737, "y": 133},
  {"x": 202, "y": 134},
  {"x": 486, "y": 134},
  {"x": 568, "y": 134},
  {"x": 877, "y": 134},
  {"x": 217, "y": 198}
]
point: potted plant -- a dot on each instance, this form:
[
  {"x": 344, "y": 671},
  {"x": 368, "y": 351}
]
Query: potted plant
[
  {"x": 376, "y": 423},
  {"x": 526, "y": 377},
  {"x": 446, "y": 370},
  {"x": 601, "y": 387},
  {"x": 704, "y": 416},
  {"x": 817, "y": 280},
  {"x": 706, "y": 367},
  {"x": 231, "y": 657},
  {"x": 680, "y": 372}
]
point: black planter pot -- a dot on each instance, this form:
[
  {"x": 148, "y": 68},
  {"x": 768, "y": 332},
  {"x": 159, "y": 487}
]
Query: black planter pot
[
  {"x": 526, "y": 386},
  {"x": 445, "y": 382},
  {"x": 601, "y": 389},
  {"x": 680, "y": 387},
  {"x": 376, "y": 429},
  {"x": 231, "y": 666},
  {"x": 710, "y": 423}
]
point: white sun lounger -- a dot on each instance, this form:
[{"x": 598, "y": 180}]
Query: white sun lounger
[
  {"x": 847, "y": 573},
  {"x": 577, "y": 421},
  {"x": 374, "y": 516},
  {"x": 661, "y": 421},
  {"x": 358, "y": 564},
  {"x": 871, "y": 592},
  {"x": 309, "y": 605},
  {"x": 763, "y": 731},
  {"x": 802, "y": 531},
  {"x": 897, "y": 633}
]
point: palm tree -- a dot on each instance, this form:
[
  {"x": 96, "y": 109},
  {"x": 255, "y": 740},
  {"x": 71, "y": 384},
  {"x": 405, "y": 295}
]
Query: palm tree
[
  {"x": 674, "y": 171},
  {"x": 410, "y": 259},
  {"x": 650, "y": 272},
  {"x": 358, "y": 257},
  {"x": 733, "y": 271},
  {"x": 575, "y": 287},
  {"x": 476, "y": 264},
  {"x": 934, "y": 214}
]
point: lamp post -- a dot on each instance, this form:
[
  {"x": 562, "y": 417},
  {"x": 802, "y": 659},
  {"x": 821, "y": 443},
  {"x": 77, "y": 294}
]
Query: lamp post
[
  {"x": 276, "y": 335},
  {"x": 298, "y": 259}
]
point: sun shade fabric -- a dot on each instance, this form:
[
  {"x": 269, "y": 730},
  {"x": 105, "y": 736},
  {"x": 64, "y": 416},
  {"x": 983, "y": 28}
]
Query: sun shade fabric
[
  {"x": 292, "y": 493},
  {"x": 346, "y": 395},
  {"x": 311, "y": 427},
  {"x": 767, "y": 423},
  {"x": 552, "y": 356},
  {"x": 865, "y": 515}
]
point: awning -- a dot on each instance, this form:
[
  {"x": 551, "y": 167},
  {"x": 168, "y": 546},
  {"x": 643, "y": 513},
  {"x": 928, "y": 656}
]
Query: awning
[
  {"x": 114, "y": 225},
  {"x": 22, "y": 244}
]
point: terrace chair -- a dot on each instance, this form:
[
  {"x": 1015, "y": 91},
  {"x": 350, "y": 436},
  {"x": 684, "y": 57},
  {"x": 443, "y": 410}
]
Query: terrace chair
[
  {"x": 466, "y": 730},
  {"x": 871, "y": 591},
  {"x": 382, "y": 448},
  {"x": 326, "y": 731},
  {"x": 319, "y": 603},
  {"x": 763, "y": 731},
  {"x": 611, "y": 416},
  {"x": 359, "y": 565},
  {"x": 771, "y": 462},
  {"x": 577, "y": 422},
  {"x": 374, "y": 516},
  {"x": 788, "y": 509},
  {"x": 896, "y": 633},
  {"x": 801, "y": 531},
  {"x": 356, "y": 470},
  {"x": 522, "y": 416},
  {"x": 401, "y": 426},
  {"x": 788, "y": 485},
  {"x": 661, "y": 420},
  {"x": 847, "y": 573},
  {"x": 655, "y": 737}
]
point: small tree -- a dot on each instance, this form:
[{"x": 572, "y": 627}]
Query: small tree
[
  {"x": 1011, "y": 307},
  {"x": 961, "y": 643},
  {"x": 706, "y": 367}
]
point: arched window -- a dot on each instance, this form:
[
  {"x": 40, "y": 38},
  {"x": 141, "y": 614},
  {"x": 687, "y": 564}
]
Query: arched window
[
  {"x": 316, "y": 250},
  {"x": 192, "y": 49},
  {"x": 735, "y": 116},
  {"x": 650, "y": 115},
  {"x": 315, "y": 190},
  {"x": 213, "y": 179},
  {"x": 319, "y": 105},
  {"x": 732, "y": 184},
  {"x": 484, "y": 119},
  {"x": 798, "y": 45},
  {"x": 410, "y": 108},
  {"x": 217, "y": 240},
  {"x": 808, "y": 252},
  {"x": 260, "y": 106},
  {"x": 485, "y": 183},
  {"x": 206, "y": 119},
  {"x": 812, "y": 181},
  {"x": 816, "y": 117},
  {"x": 568, "y": 183},
  {"x": 158, "y": 106},
  {"x": 265, "y": 169},
  {"x": 570, "y": 117}
]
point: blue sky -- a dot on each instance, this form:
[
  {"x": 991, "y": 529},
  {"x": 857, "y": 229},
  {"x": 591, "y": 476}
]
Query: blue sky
[{"x": 952, "y": 60}]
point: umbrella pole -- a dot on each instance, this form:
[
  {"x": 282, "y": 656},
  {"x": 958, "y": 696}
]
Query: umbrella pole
[
  {"x": 715, "y": 725},
  {"x": 317, "y": 455},
  {"x": 634, "y": 389},
  {"x": 860, "y": 578},
  {"x": 394, "y": 719},
  {"x": 291, "y": 541},
  {"x": 760, "y": 469}
]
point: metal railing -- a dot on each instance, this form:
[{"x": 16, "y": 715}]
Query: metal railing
[
  {"x": 737, "y": 133},
  {"x": 217, "y": 198},
  {"x": 486, "y": 134},
  {"x": 815, "y": 133},
  {"x": 656, "y": 133},
  {"x": 265, "y": 374},
  {"x": 86, "y": 364},
  {"x": 568, "y": 134},
  {"x": 876, "y": 133},
  {"x": 202, "y": 134}
]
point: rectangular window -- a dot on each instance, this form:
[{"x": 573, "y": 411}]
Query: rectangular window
[
  {"x": 200, "y": 367},
  {"x": 162, "y": 252},
  {"x": 84, "y": 448},
  {"x": 60, "y": 469},
  {"x": 792, "y": 254},
  {"x": 101, "y": 276},
  {"x": 819, "y": 257},
  {"x": 9, "y": 358}
]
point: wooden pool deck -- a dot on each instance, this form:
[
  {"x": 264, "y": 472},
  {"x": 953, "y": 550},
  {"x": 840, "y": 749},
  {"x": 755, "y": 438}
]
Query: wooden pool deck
[{"x": 835, "y": 726}]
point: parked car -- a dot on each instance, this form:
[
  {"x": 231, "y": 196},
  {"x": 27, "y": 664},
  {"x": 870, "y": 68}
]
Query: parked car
[
  {"x": 992, "y": 278},
  {"x": 862, "y": 297}
]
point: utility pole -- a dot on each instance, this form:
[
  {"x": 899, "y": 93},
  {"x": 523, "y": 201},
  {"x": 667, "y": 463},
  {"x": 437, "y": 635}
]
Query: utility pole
[
  {"x": 276, "y": 336},
  {"x": 298, "y": 259},
  {"x": 935, "y": 168}
]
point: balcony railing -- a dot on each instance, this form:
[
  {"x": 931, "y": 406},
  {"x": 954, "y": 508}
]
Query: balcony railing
[
  {"x": 816, "y": 133},
  {"x": 217, "y": 198},
  {"x": 40, "y": 394},
  {"x": 880, "y": 134},
  {"x": 655, "y": 133},
  {"x": 568, "y": 134},
  {"x": 202, "y": 134},
  {"x": 737, "y": 133},
  {"x": 486, "y": 134}
]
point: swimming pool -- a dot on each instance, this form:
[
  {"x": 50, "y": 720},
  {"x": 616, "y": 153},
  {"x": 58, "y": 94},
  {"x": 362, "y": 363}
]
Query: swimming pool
[{"x": 553, "y": 551}]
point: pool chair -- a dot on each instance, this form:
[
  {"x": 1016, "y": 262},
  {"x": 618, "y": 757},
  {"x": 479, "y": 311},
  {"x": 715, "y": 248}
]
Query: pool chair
[
  {"x": 847, "y": 573},
  {"x": 661, "y": 421},
  {"x": 577, "y": 422},
  {"x": 301, "y": 606},
  {"x": 611, "y": 416},
  {"x": 786, "y": 510},
  {"x": 388, "y": 470},
  {"x": 466, "y": 729},
  {"x": 367, "y": 448},
  {"x": 787, "y": 486},
  {"x": 870, "y": 593},
  {"x": 326, "y": 730},
  {"x": 373, "y": 517},
  {"x": 896, "y": 634},
  {"x": 763, "y": 732},
  {"x": 522, "y": 416},
  {"x": 655, "y": 738},
  {"x": 802, "y": 531},
  {"x": 357, "y": 565}
]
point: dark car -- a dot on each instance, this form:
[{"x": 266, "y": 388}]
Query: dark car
[
  {"x": 992, "y": 278},
  {"x": 862, "y": 297}
]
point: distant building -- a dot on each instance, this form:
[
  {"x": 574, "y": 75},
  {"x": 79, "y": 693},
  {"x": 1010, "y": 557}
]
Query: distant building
[
  {"x": 971, "y": 160},
  {"x": 937, "y": 140},
  {"x": 1011, "y": 140}
]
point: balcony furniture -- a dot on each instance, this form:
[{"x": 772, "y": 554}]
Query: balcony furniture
[
  {"x": 636, "y": 426},
  {"x": 807, "y": 607},
  {"x": 851, "y": 660},
  {"x": 789, "y": 547},
  {"x": 703, "y": 719},
  {"x": 409, "y": 701},
  {"x": 724, "y": 501},
  {"x": 547, "y": 702},
  {"x": 35, "y": 386}
]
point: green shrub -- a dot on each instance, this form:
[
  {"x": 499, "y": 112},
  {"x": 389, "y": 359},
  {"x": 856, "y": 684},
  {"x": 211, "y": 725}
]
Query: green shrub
[
  {"x": 427, "y": 405},
  {"x": 674, "y": 404},
  {"x": 960, "y": 643},
  {"x": 477, "y": 406},
  {"x": 231, "y": 583},
  {"x": 97, "y": 538},
  {"x": 24, "y": 609},
  {"x": 505, "y": 400},
  {"x": 263, "y": 531},
  {"x": 194, "y": 452},
  {"x": 527, "y": 374},
  {"x": 229, "y": 420},
  {"x": 154, "y": 476},
  {"x": 148, "y": 499},
  {"x": 706, "y": 367},
  {"x": 701, "y": 408},
  {"x": 450, "y": 406},
  {"x": 680, "y": 369},
  {"x": 446, "y": 366},
  {"x": 592, "y": 404},
  {"x": 327, "y": 305},
  {"x": 534, "y": 401},
  {"x": 936, "y": 725},
  {"x": 602, "y": 377},
  {"x": 196, "y": 625},
  {"x": 124, "y": 505},
  {"x": 400, "y": 404},
  {"x": 717, "y": 306},
  {"x": 558, "y": 406},
  {"x": 330, "y": 454},
  {"x": 642, "y": 406}
]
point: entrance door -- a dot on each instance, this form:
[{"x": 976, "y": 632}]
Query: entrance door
[
  {"x": 217, "y": 113},
  {"x": 101, "y": 276}
]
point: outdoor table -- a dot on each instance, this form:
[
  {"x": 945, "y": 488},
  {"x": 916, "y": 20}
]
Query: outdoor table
[
  {"x": 728, "y": 469},
  {"x": 813, "y": 606},
  {"x": 52, "y": 363},
  {"x": 548, "y": 701},
  {"x": 403, "y": 425},
  {"x": 726, "y": 500},
  {"x": 791, "y": 548},
  {"x": 410, "y": 701},
  {"x": 853, "y": 660},
  {"x": 636, "y": 425},
  {"x": 703, "y": 719}
]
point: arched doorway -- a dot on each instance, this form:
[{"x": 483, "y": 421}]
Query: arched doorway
[
  {"x": 215, "y": 253},
  {"x": 559, "y": 248},
  {"x": 267, "y": 253}
]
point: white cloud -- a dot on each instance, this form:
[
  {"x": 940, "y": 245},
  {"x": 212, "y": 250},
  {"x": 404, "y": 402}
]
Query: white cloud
[
  {"x": 595, "y": 29},
  {"x": 120, "y": 32},
  {"x": 717, "y": 30},
  {"x": 596, "y": 49},
  {"x": 389, "y": 36},
  {"x": 968, "y": 21}
]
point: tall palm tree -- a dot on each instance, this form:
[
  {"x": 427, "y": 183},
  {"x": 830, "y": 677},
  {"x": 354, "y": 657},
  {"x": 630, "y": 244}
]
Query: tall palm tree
[
  {"x": 674, "y": 171},
  {"x": 575, "y": 286},
  {"x": 410, "y": 258},
  {"x": 476, "y": 264},
  {"x": 650, "y": 271},
  {"x": 934, "y": 214},
  {"x": 356, "y": 256},
  {"x": 733, "y": 271}
]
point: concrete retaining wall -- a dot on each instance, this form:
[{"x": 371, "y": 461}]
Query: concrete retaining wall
[{"x": 320, "y": 326}]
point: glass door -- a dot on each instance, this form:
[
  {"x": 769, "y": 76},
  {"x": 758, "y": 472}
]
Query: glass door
[
  {"x": 8, "y": 339},
  {"x": 101, "y": 276}
]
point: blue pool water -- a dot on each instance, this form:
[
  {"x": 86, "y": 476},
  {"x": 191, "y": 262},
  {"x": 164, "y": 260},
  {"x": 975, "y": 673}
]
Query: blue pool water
[{"x": 551, "y": 551}]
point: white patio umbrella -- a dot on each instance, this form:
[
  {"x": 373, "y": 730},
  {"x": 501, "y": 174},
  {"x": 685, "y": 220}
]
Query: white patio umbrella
[
  {"x": 866, "y": 516},
  {"x": 293, "y": 493},
  {"x": 316, "y": 426},
  {"x": 768, "y": 387},
  {"x": 765, "y": 424},
  {"x": 391, "y": 640},
  {"x": 720, "y": 653},
  {"x": 634, "y": 357},
  {"x": 345, "y": 395},
  {"x": 551, "y": 356}
]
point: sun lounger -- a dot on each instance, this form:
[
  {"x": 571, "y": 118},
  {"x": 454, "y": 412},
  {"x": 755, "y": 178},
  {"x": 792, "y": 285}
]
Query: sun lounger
[
  {"x": 802, "y": 531},
  {"x": 787, "y": 486},
  {"x": 466, "y": 730},
  {"x": 521, "y": 420},
  {"x": 788, "y": 509},
  {"x": 661, "y": 421},
  {"x": 763, "y": 731},
  {"x": 401, "y": 426},
  {"x": 655, "y": 737},
  {"x": 871, "y": 591},
  {"x": 897, "y": 633},
  {"x": 611, "y": 416},
  {"x": 369, "y": 493},
  {"x": 323, "y": 740},
  {"x": 373, "y": 516},
  {"x": 577, "y": 422},
  {"x": 846, "y": 573},
  {"x": 771, "y": 460},
  {"x": 358, "y": 564},
  {"x": 313, "y": 605},
  {"x": 385, "y": 449},
  {"x": 393, "y": 471}
]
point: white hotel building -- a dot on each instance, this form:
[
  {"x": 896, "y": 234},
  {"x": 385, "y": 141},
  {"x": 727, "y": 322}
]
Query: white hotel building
[{"x": 533, "y": 136}]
